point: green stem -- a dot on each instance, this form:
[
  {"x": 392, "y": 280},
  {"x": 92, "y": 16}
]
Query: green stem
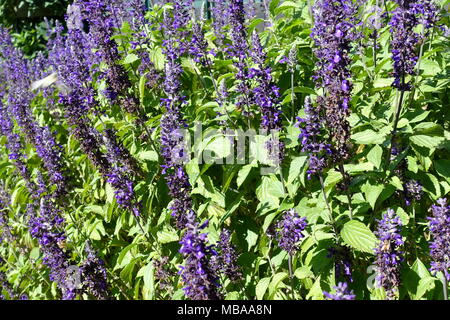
[
  {"x": 219, "y": 96},
  {"x": 322, "y": 185},
  {"x": 347, "y": 183},
  {"x": 395, "y": 125},
  {"x": 291, "y": 276},
  {"x": 292, "y": 98},
  {"x": 445, "y": 287}
]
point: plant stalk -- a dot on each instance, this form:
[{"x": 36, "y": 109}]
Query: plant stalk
[
  {"x": 291, "y": 276},
  {"x": 445, "y": 287}
]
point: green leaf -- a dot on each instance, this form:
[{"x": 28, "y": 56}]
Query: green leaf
[
  {"x": 358, "y": 236},
  {"x": 425, "y": 285},
  {"x": 243, "y": 174},
  {"x": 275, "y": 283},
  {"x": 124, "y": 256},
  {"x": 429, "y": 67},
  {"x": 426, "y": 141},
  {"x": 368, "y": 137},
  {"x": 157, "y": 57},
  {"x": 372, "y": 192},
  {"x": 149, "y": 280},
  {"x": 303, "y": 272},
  {"x": 374, "y": 156},
  {"x": 148, "y": 155},
  {"x": 443, "y": 168},
  {"x": 130, "y": 58},
  {"x": 383, "y": 83},
  {"x": 166, "y": 236},
  {"x": 34, "y": 253},
  {"x": 261, "y": 288},
  {"x": 127, "y": 273},
  {"x": 296, "y": 168}
]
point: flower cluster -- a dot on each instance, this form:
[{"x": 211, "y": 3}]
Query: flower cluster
[
  {"x": 199, "y": 46},
  {"x": 290, "y": 231},
  {"x": 388, "y": 252},
  {"x": 47, "y": 228},
  {"x": 162, "y": 273},
  {"x": 266, "y": 96},
  {"x": 310, "y": 131},
  {"x": 15, "y": 147},
  {"x": 93, "y": 275},
  {"x": 219, "y": 15},
  {"x": 333, "y": 34},
  {"x": 404, "y": 43},
  {"x": 117, "y": 165},
  {"x": 412, "y": 189},
  {"x": 19, "y": 99},
  {"x": 439, "y": 224},
  {"x": 83, "y": 130},
  {"x": 5, "y": 200},
  {"x": 201, "y": 283},
  {"x": 5, "y": 285},
  {"x": 342, "y": 262},
  {"x": 239, "y": 49},
  {"x": 172, "y": 147},
  {"x": 226, "y": 260},
  {"x": 341, "y": 293},
  {"x": 102, "y": 21}
]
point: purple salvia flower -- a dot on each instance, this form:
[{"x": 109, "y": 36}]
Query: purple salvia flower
[
  {"x": 220, "y": 20},
  {"x": 388, "y": 253},
  {"x": 15, "y": 148},
  {"x": 439, "y": 224},
  {"x": 173, "y": 149},
  {"x": 413, "y": 191},
  {"x": 117, "y": 165},
  {"x": 5, "y": 285},
  {"x": 162, "y": 273},
  {"x": 102, "y": 21},
  {"x": 341, "y": 293},
  {"x": 5, "y": 201},
  {"x": 123, "y": 188},
  {"x": 266, "y": 96},
  {"x": 199, "y": 278},
  {"x": 83, "y": 130},
  {"x": 342, "y": 262},
  {"x": 225, "y": 261},
  {"x": 93, "y": 275},
  {"x": 239, "y": 51},
  {"x": 404, "y": 43},
  {"x": 290, "y": 231},
  {"x": 333, "y": 34},
  {"x": 199, "y": 46},
  {"x": 310, "y": 131},
  {"x": 47, "y": 228}
]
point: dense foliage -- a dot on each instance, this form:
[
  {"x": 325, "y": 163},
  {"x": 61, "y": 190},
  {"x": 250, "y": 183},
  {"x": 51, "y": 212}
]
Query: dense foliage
[{"x": 120, "y": 176}]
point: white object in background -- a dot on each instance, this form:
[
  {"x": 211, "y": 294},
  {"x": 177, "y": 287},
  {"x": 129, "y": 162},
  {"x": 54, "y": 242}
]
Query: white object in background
[{"x": 46, "y": 82}]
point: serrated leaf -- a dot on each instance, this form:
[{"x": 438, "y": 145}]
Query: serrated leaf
[
  {"x": 426, "y": 141},
  {"x": 359, "y": 236},
  {"x": 166, "y": 236}
]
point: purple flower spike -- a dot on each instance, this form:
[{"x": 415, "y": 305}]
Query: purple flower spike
[
  {"x": 388, "y": 253},
  {"x": 439, "y": 224},
  {"x": 290, "y": 231},
  {"x": 341, "y": 293}
]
